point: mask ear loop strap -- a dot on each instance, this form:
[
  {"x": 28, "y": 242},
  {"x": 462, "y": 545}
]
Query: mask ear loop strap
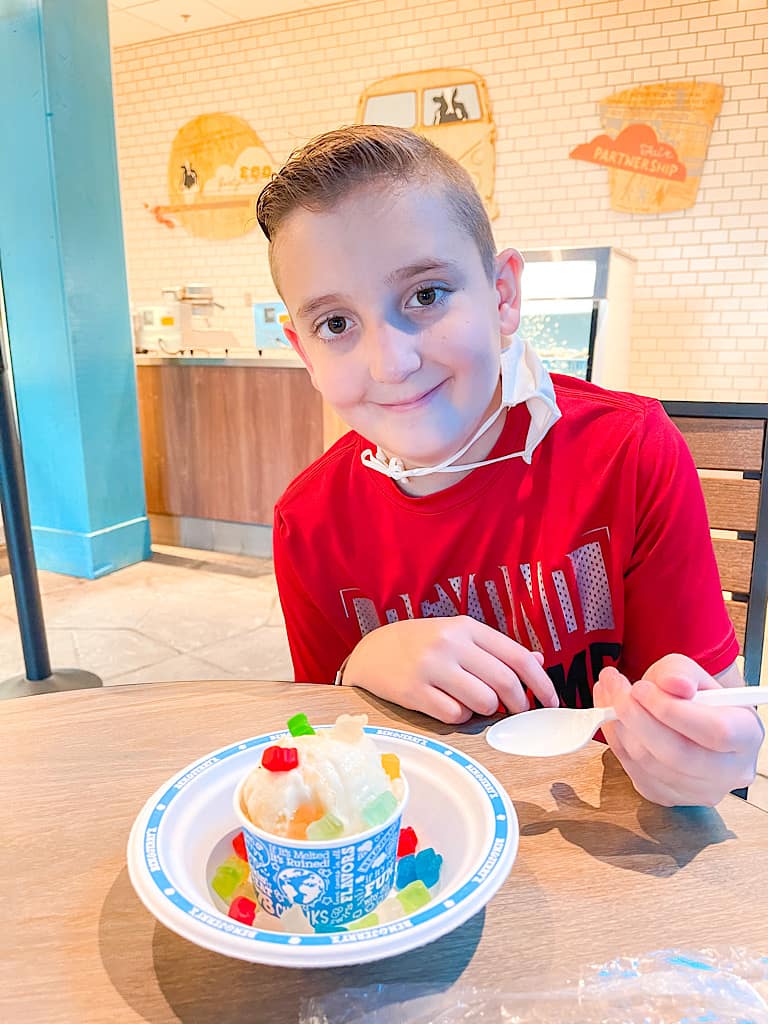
[
  {"x": 369, "y": 459},
  {"x": 395, "y": 469}
]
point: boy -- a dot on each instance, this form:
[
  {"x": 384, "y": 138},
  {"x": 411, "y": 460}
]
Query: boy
[{"x": 485, "y": 533}]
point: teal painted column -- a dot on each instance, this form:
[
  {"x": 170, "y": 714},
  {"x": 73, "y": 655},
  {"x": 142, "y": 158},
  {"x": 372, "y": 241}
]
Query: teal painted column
[{"x": 63, "y": 274}]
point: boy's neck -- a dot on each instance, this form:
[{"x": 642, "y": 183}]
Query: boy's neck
[{"x": 431, "y": 483}]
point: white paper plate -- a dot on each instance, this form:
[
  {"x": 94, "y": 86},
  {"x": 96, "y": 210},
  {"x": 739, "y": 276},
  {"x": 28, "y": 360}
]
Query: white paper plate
[{"x": 183, "y": 833}]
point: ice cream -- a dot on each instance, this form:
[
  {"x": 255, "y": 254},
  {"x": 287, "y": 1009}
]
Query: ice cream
[{"x": 337, "y": 783}]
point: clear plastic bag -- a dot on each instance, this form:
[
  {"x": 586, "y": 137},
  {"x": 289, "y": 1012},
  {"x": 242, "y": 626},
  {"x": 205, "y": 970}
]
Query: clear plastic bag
[{"x": 666, "y": 987}]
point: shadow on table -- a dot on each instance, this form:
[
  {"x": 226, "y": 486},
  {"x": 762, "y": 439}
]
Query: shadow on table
[
  {"x": 415, "y": 719},
  {"x": 154, "y": 969},
  {"x": 660, "y": 841}
]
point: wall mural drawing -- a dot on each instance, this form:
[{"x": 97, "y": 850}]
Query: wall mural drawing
[
  {"x": 654, "y": 145},
  {"x": 217, "y": 168},
  {"x": 449, "y": 106}
]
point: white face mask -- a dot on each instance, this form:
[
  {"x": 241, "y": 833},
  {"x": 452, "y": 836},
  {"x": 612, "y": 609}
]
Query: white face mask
[{"x": 523, "y": 379}]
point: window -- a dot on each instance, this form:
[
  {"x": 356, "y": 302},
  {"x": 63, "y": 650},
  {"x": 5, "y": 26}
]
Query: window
[
  {"x": 452, "y": 104},
  {"x": 397, "y": 109}
]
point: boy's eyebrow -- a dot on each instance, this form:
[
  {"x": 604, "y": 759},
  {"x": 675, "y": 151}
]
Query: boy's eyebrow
[
  {"x": 426, "y": 266},
  {"x": 421, "y": 267},
  {"x": 314, "y": 305}
]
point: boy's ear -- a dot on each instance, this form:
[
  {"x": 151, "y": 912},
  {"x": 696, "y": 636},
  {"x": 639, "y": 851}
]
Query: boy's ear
[
  {"x": 509, "y": 272},
  {"x": 293, "y": 338}
]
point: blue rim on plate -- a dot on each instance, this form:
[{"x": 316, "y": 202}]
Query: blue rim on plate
[{"x": 182, "y": 911}]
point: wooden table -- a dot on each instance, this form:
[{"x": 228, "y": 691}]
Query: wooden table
[{"x": 599, "y": 872}]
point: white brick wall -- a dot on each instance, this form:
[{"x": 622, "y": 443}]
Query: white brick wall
[{"x": 700, "y": 324}]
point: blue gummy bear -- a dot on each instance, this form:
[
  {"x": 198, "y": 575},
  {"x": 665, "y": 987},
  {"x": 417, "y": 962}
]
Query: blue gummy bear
[
  {"x": 406, "y": 871},
  {"x": 427, "y": 866}
]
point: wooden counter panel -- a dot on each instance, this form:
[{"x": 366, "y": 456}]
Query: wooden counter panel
[{"x": 223, "y": 442}]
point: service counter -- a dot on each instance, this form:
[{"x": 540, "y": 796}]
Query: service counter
[{"x": 222, "y": 437}]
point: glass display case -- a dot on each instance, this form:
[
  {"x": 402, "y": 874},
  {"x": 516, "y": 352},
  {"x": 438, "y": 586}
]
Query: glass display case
[{"x": 576, "y": 311}]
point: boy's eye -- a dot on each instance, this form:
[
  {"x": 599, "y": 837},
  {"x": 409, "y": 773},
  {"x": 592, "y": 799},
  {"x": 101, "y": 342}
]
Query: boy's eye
[
  {"x": 336, "y": 324},
  {"x": 429, "y": 295}
]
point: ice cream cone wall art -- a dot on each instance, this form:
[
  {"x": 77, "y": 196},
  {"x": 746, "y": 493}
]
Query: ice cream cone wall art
[
  {"x": 654, "y": 143},
  {"x": 217, "y": 167}
]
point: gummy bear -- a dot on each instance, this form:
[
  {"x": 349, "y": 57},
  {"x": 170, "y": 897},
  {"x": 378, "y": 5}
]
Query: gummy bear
[
  {"x": 377, "y": 811},
  {"x": 299, "y": 725},
  {"x": 391, "y": 765},
  {"x": 369, "y": 921},
  {"x": 228, "y": 877},
  {"x": 428, "y": 864},
  {"x": 280, "y": 759},
  {"x": 246, "y": 889},
  {"x": 407, "y": 842},
  {"x": 349, "y": 728},
  {"x": 242, "y": 909},
  {"x": 327, "y": 827},
  {"x": 238, "y": 845},
  {"x": 406, "y": 871},
  {"x": 414, "y": 896},
  {"x": 390, "y": 910},
  {"x": 295, "y": 920}
]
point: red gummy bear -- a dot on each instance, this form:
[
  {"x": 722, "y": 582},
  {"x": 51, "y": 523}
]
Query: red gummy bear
[
  {"x": 407, "y": 842},
  {"x": 280, "y": 759},
  {"x": 238, "y": 845},
  {"x": 242, "y": 909}
]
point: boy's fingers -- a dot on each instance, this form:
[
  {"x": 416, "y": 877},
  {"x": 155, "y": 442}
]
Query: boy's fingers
[
  {"x": 471, "y": 687},
  {"x": 611, "y": 685},
  {"x": 723, "y": 730},
  {"x": 663, "y": 748},
  {"x": 444, "y": 707},
  {"x": 524, "y": 663},
  {"x": 679, "y": 675},
  {"x": 500, "y": 679}
]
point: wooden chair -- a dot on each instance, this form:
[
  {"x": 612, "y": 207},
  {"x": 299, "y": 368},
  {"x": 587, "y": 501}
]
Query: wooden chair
[
  {"x": 733, "y": 437},
  {"x": 729, "y": 444}
]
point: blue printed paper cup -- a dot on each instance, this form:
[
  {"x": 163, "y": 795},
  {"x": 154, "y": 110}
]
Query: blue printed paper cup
[{"x": 333, "y": 881}]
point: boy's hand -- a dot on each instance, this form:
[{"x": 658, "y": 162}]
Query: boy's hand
[
  {"x": 449, "y": 668},
  {"x": 678, "y": 753}
]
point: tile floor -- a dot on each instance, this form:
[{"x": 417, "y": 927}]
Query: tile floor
[
  {"x": 184, "y": 614},
  {"x": 181, "y": 615}
]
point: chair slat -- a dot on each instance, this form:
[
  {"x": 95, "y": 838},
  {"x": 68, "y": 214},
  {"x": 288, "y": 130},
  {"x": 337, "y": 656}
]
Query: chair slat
[
  {"x": 723, "y": 444},
  {"x": 731, "y": 504},
  {"x": 734, "y": 561},
  {"x": 737, "y": 613}
]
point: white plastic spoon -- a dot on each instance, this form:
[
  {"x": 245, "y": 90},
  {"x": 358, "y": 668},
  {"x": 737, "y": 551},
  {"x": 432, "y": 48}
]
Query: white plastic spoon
[{"x": 548, "y": 732}]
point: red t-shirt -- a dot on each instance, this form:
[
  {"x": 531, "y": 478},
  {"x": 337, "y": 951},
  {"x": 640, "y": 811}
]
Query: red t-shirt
[{"x": 597, "y": 553}]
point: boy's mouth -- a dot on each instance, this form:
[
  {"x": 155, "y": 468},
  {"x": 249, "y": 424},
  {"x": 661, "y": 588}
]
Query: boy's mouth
[{"x": 406, "y": 404}]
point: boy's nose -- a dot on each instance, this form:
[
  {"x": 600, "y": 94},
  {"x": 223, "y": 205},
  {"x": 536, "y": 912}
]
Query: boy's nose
[{"x": 393, "y": 355}]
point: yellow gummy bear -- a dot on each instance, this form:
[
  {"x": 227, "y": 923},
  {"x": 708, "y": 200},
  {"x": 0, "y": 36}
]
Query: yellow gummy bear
[{"x": 391, "y": 765}]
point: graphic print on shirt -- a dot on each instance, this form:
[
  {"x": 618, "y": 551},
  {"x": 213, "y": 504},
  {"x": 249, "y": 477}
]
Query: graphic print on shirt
[{"x": 544, "y": 609}]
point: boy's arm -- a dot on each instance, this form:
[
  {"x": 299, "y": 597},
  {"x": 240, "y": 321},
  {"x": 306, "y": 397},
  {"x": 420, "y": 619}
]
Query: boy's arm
[
  {"x": 673, "y": 599},
  {"x": 316, "y": 648},
  {"x": 676, "y": 752},
  {"x": 678, "y": 639}
]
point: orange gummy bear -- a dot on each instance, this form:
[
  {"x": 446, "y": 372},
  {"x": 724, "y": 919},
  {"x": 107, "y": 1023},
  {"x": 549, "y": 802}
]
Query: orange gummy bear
[{"x": 304, "y": 815}]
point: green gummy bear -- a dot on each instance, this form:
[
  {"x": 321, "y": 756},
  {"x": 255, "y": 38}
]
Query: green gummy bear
[
  {"x": 370, "y": 921},
  {"x": 299, "y": 725},
  {"x": 229, "y": 875},
  {"x": 414, "y": 896},
  {"x": 379, "y": 809},
  {"x": 327, "y": 827}
]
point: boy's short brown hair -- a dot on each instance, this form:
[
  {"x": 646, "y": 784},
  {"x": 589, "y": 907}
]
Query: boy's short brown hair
[{"x": 328, "y": 167}]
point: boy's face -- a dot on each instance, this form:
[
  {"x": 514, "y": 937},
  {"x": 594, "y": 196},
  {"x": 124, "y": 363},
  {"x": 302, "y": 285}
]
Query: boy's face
[{"x": 395, "y": 318}]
